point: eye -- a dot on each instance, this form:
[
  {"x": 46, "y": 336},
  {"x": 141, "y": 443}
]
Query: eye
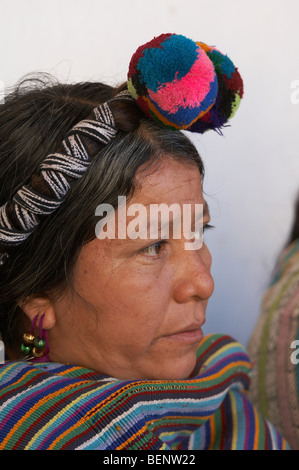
[
  {"x": 154, "y": 249},
  {"x": 208, "y": 227}
]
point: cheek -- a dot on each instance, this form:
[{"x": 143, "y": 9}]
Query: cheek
[
  {"x": 140, "y": 314},
  {"x": 143, "y": 294},
  {"x": 131, "y": 300},
  {"x": 125, "y": 292}
]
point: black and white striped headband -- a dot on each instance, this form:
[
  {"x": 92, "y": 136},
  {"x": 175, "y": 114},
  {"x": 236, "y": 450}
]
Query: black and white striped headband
[
  {"x": 180, "y": 83},
  {"x": 28, "y": 204}
]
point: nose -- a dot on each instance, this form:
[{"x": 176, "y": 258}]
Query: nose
[{"x": 193, "y": 279}]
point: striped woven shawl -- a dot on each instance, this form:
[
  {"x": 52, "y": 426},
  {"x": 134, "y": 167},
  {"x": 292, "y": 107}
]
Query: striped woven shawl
[
  {"x": 53, "y": 406},
  {"x": 275, "y": 380}
]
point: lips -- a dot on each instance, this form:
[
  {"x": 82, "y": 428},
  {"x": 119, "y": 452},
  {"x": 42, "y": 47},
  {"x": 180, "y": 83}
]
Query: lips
[{"x": 190, "y": 334}]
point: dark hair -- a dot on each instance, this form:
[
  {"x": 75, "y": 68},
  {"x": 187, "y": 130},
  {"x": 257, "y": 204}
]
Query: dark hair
[
  {"x": 295, "y": 227},
  {"x": 34, "y": 120}
]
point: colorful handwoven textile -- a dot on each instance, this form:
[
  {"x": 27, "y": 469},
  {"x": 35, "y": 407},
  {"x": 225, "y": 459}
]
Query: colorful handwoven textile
[
  {"x": 275, "y": 380},
  {"x": 52, "y": 406}
]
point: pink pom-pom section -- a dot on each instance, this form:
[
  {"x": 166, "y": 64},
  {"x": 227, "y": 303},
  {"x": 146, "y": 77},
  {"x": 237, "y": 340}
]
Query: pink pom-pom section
[{"x": 190, "y": 90}]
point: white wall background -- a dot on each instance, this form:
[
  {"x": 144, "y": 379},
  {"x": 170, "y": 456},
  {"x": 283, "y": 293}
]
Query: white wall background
[{"x": 252, "y": 173}]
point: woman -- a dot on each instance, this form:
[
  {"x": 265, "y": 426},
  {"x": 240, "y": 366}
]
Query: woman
[
  {"x": 274, "y": 343},
  {"x": 116, "y": 321}
]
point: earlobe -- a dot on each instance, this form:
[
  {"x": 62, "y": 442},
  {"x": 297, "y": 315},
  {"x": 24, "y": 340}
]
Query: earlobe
[{"x": 40, "y": 306}]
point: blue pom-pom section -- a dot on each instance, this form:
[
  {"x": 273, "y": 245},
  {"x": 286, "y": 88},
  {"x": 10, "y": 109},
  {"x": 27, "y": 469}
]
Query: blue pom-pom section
[
  {"x": 160, "y": 65},
  {"x": 224, "y": 62}
]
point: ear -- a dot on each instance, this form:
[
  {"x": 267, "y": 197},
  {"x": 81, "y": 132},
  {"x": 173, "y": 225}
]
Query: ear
[{"x": 42, "y": 305}]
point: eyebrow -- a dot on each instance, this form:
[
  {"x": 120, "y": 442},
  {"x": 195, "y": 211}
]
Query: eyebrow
[{"x": 206, "y": 214}]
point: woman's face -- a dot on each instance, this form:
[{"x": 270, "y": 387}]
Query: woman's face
[{"x": 139, "y": 304}]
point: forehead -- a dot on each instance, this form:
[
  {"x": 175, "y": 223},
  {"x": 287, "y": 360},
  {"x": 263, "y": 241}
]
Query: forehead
[{"x": 170, "y": 181}]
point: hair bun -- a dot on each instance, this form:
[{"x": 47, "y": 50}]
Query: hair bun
[{"x": 184, "y": 84}]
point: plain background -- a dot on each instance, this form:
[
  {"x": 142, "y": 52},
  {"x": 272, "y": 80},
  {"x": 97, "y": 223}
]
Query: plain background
[{"x": 252, "y": 172}]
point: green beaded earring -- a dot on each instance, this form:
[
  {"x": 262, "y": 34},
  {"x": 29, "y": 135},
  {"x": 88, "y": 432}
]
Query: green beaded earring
[{"x": 35, "y": 347}]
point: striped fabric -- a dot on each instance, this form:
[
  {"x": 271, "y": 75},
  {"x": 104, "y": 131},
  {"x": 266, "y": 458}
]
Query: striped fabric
[
  {"x": 53, "y": 406},
  {"x": 275, "y": 381}
]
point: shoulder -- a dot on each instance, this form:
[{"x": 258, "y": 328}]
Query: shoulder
[
  {"x": 55, "y": 406},
  {"x": 218, "y": 351}
]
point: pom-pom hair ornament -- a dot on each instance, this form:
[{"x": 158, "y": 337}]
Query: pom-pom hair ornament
[
  {"x": 176, "y": 81},
  {"x": 184, "y": 84}
]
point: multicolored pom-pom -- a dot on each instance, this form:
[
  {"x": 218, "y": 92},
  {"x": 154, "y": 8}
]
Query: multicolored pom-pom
[
  {"x": 184, "y": 84},
  {"x": 230, "y": 92}
]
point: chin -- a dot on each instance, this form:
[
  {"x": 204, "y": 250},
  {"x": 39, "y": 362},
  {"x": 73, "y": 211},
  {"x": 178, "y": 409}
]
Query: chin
[{"x": 179, "y": 369}]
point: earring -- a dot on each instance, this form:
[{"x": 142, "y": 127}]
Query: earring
[{"x": 35, "y": 348}]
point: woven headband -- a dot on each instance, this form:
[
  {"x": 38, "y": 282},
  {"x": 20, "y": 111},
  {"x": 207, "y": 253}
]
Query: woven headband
[{"x": 174, "y": 80}]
